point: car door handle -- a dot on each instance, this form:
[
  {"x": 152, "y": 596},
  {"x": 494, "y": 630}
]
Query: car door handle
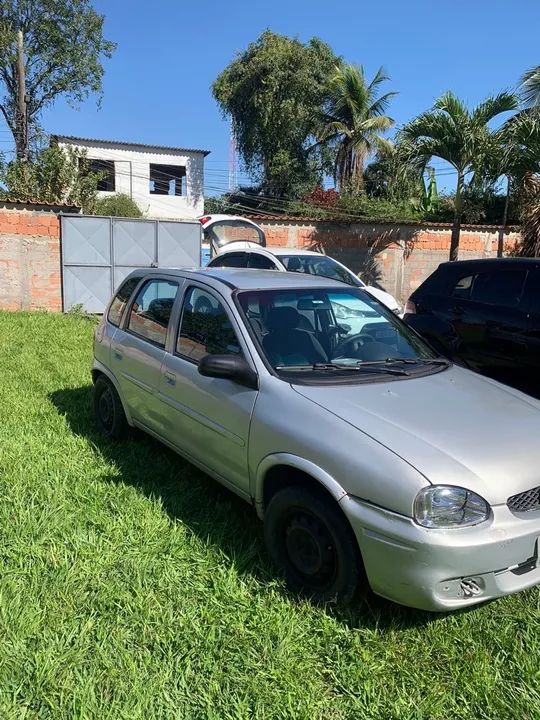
[
  {"x": 457, "y": 310},
  {"x": 170, "y": 378},
  {"x": 118, "y": 354}
]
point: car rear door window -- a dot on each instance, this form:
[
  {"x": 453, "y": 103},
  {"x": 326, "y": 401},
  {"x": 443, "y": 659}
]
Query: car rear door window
[
  {"x": 234, "y": 259},
  {"x": 151, "y": 310},
  {"x": 499, "y": 287},
  {"x": 205, "y": 327},
  {"x": 120, "y": 299},
  {"x": 261, "y": 262}
]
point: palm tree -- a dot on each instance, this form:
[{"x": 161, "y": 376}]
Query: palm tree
[
  {"x": 353, "y": 123},
  {"x": 529, "y": 87},
  {"x": 462, "y": 138},
  {"x": 520, "y": 158}
]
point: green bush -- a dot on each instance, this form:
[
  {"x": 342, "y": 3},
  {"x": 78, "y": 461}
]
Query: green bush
[{"x": 119, "y": 205}]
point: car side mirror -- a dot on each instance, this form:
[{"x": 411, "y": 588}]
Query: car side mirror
[{"x": 229, "y": 367}]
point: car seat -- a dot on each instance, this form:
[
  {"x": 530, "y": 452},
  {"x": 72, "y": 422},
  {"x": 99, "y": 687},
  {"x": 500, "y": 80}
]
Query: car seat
[{"x": 286, "y": 344}]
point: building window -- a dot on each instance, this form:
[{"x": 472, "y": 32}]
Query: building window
[
  {"x": 105, "y": 169},
  {"x": 167, "y": 179}
]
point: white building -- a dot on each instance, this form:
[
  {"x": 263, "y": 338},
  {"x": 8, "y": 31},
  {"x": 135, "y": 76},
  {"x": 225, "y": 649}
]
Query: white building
[{"x": 165, "y": 182}]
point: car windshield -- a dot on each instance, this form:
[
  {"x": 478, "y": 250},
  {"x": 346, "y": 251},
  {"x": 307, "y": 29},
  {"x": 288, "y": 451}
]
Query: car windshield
[
  {"x": 319, "y": 265},
  {"x": 332, "y": 331}
]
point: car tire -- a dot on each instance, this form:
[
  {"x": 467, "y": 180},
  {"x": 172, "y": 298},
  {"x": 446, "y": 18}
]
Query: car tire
[
  {"x": 108, "y": 411},
  {"x": 311, "y": 543}
]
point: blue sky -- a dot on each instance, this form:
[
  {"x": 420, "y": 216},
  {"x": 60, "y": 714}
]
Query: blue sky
[{"x": 157, "y": 85}]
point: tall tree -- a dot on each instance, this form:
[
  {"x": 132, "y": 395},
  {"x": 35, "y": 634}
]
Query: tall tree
[
  {"x": 56, "y": 175},
  {"x": 61, "y": 54},
  {"x": 461, "y": 137},
  {"x": 354, "y": 122},
  {"x": 271, "y": 92}
]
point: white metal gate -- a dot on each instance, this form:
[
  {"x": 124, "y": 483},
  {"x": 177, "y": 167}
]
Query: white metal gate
[{"x": 98, "y": 253}]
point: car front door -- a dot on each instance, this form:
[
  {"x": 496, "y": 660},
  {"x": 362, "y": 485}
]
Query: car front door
[
  {"x": 138, "y": 348},
  {"x": 207, "y": 419}
]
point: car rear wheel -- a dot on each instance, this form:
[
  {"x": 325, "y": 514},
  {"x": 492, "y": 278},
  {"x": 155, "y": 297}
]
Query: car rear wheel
[
  {"x": 108, "y": 411},
  {"x": 311, "y": 542}
]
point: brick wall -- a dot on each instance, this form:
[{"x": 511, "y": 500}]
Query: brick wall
[
  {"x": 396, "y": 257},
  {"x": 30, "y": 272}
]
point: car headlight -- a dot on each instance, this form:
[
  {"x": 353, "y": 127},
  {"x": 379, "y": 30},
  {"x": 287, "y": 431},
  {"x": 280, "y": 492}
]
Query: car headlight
[
  {"x": 342, "y": 312},
  {"x": 446, "y": 506}
]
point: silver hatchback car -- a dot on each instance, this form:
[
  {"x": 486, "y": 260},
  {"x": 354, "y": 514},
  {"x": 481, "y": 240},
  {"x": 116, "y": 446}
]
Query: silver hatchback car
[{"x": 367, "y": 456}]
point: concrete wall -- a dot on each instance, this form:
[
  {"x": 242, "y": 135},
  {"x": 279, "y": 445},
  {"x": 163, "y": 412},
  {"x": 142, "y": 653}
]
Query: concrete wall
[
  {"x": 30, "y": 271},
  {"x": 395, "y": 257},
  {"x": 132, "y": 177}
]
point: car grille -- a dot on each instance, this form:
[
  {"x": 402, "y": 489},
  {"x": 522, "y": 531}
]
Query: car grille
[{"x": 525, "y": 501}]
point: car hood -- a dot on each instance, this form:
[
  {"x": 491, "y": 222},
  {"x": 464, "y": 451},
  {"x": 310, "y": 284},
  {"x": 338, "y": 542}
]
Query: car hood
[
  {"x": 454, "y": 427},
  {"x": 384, "y": 297}
]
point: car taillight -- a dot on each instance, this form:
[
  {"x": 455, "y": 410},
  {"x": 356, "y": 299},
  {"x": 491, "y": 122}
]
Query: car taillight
[
  {"x": 410, "y": 308},
  {"x": 204, "y": 219}
]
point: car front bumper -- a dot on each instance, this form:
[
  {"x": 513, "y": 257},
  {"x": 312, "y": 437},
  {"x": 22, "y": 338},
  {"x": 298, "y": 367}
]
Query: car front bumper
[{"x": 442, "y": 570}]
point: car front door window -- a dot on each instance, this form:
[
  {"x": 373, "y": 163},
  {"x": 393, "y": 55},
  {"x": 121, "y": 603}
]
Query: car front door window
[{"x": 205, "y": 328}]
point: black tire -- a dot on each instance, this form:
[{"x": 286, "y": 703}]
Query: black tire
[
  {"x": 311, "y": 543},
  {"x": 108, "y": 411}
]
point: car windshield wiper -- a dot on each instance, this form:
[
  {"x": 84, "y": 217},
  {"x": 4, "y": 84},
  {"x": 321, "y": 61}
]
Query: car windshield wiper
[
  {"x": 408, "y": 361},
  {"x": 359, "y": 367}
]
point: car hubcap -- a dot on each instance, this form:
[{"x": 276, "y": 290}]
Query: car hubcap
[
  {"x": 310, "y": 548},
  {"x": 106, "y": 408}
]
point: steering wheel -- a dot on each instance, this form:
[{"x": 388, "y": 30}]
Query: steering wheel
[{"x": 352, "y": 344}]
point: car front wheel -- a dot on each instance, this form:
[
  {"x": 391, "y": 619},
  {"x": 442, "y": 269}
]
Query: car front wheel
[
  {"x": 108, "y": 411},
  {"x": 311, "y": 542}
]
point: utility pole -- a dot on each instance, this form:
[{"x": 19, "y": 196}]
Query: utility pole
[
  {"x": 233, "y": 167},
  {"x": 21, "y": 141}
]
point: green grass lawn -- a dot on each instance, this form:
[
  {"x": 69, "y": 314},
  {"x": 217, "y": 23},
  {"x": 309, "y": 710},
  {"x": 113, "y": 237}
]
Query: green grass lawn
[{"x": 133, "y": 586}]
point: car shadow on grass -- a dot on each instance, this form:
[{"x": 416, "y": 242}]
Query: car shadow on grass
[{"x": 209, "y": 510}]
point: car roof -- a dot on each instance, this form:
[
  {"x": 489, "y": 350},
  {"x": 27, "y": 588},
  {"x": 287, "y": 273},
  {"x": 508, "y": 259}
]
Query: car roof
[
  {"x": 277, "y": 251},
  {"x": 245, "y": 279},
  {"x": 488, "y": 262}
]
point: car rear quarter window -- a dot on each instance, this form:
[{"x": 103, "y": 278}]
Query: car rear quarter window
[
  {"x": 151, "y": 310},
  {"x": 118, "y": 304},
  {"x": 499, "y": 287},
  {"x": 462, "y": 288},
  {"x": 205, "y": 328}
]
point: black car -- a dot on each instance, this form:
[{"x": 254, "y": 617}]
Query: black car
[{"x": 484, "y": 314}]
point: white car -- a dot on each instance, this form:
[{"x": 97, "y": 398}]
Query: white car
[{"x": 233, "y": 241}]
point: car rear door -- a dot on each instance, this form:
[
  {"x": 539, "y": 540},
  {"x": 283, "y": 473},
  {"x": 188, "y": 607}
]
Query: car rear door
[
  {"x": 138, "y": 347},
  {"x": 207, "y": 419},
  {"x": 531, "y": 305},
  {"x": 491, "y": 322}
]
